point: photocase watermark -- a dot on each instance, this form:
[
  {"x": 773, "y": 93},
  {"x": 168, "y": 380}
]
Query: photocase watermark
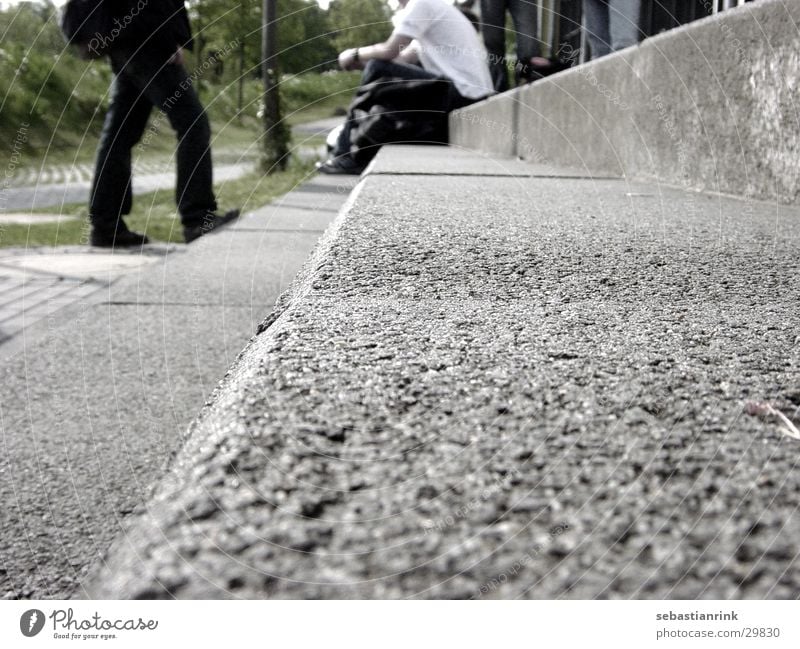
[
  {"x": 66, "y": 626},
  {"x": 478, "y": 55},
  {"x": 727, "y": 30},
  {"x": 522, "y": 146},
  {"x": 670, "y": 128},
  {"x": 169, "y": 102},
  {"x": 101, "y": 42},
  {"x": 14, "y": 160},
  {"x": 732, "y": 40},
  {"x": 568, "y": 53},
  {"x": 463, "y": 511},
  {"x": 520, "y": 564},
  {"x": 684, "y": 152},
  {"x": 31, "y": 622}
]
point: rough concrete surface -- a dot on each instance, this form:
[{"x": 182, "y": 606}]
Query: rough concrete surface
[
  {"x": 500, "y": 387},
  {"x": 409, "y": 159},
  {"x": 489, "y": 125},
  {"x": 711, "y": 105},
  {"x": 90, "y": 414},
  {"x": 249, "y": 263}
]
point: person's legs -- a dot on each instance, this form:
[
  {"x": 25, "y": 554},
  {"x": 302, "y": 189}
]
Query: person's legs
[
  {"x": 524, "y": 14},
  {"x": 123, "y": 127},
  {"x": 377, "y": 69},
  {"x": 623, "y": 19},
  {"x": 595, "y": 16},
  {"x": 373, "y": 71},
  {"x": 169, "y": 87},
  {"x": 493, "y": 28}
]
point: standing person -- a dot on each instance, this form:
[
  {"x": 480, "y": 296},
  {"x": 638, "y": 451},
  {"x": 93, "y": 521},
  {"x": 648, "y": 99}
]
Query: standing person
[
  {"x": 432, "y": 40},
  {"x": 146, "y": 53},
  {"x": 611, "y": 25},
  {"x": 528, "y": 48}
]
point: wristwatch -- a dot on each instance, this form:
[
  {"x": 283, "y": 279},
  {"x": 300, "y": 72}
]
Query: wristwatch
[{"x": 356, "y": 57}]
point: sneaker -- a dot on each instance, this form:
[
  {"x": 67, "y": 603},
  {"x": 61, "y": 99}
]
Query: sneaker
[
  {"x": 210, "y": 222},
  {"x": 335, "y": 167},
  {"x": 117, "y": 236}
]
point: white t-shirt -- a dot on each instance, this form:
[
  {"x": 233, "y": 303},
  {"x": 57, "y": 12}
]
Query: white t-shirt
[{"x": 447, "y": 45}]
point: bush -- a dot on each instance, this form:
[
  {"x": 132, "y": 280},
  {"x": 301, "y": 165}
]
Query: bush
[
  {"x": 61, "y": 100},
  {"x": 303, "y": 90},
  {"x": 43, "y": 85}
]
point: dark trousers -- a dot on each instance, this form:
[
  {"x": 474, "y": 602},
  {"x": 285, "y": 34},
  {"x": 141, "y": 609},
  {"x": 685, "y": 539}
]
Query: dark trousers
[
  {"x": 139, "y": 85},
  {"x": 611, "y": 25},
  {"x": 374, "y": 70},
  {"x": 493, "y": 20}
]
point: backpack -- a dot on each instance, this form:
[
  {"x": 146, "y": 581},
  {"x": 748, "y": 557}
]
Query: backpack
[{"x": 86, "y": 24}]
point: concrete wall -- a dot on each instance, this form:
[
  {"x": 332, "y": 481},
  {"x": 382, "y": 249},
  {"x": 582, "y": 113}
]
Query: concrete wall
[{"x": 712, "y": 105}]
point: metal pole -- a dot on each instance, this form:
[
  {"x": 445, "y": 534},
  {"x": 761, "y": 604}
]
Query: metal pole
[
  {"x": 276, "y": 135},
  {"x": 240, "y": 94}
]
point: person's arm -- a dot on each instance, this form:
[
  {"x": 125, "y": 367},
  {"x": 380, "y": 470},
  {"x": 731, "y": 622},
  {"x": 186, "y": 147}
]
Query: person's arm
[
  {"x": 356, "y": 57},
  {"x": 410, "y": 54}
]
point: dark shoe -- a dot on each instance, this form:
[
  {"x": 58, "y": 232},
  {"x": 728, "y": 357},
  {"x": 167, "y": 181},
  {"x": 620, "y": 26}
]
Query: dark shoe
[
  {"x": 335, "y": 167},
  {"x": 539, "y": 70},
  {"x": 116, "y": 237},
  {"x": 210, "y": 222}
]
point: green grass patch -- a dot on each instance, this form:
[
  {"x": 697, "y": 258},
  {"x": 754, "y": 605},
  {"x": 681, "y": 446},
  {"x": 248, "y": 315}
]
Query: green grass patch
[
  {"x": 154, "y": 213},
  {"x": 60, "y": 136}
]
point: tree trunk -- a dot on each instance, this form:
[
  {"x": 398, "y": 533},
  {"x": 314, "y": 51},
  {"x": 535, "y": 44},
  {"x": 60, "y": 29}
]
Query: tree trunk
[{"x": 276, "y": 135}]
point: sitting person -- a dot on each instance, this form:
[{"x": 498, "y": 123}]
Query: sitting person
[{"x": 433, "y": 63}]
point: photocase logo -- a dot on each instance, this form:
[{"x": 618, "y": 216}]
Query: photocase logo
[{"x": 31, "y": 622}]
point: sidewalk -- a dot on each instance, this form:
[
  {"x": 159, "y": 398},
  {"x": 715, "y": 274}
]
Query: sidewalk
[
  {"x": 35, "y": 188},
  {"x": 97, "y": 394},
  {"x": 36, "y": 282},
  {"x": 494, "y": 380},
  {"x": 37, "y": 192}
]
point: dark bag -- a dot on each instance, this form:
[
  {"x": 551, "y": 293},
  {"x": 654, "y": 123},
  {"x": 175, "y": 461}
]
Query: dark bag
[
  {"x": 395, "y": 111},
  {"x": 86, "y": 24}
]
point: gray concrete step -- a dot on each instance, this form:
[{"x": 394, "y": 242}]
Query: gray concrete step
[
  {"x": 499, "y": 385},
  {"x": 97, "y": 396},
  {"x": 710, "y": 105}
]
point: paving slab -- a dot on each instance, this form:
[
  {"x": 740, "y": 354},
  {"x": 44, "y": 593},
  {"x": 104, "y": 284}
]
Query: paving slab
[
  {"x": 90, "y": 414},
  {"x": 97, "y": 394},
  {"x": 309, "y": 207},
  {"x": 251, "y": 261},
  {"x": 36, "y": 282},
  {"x": 26, "y": 300},
  {"x": 500, "y": 387},
  {"x": 235, "y": 268},
  {"x": 31, "y": 218},
  {"x": 281, "y": 217},
  {"x": 84, "y": 265}
]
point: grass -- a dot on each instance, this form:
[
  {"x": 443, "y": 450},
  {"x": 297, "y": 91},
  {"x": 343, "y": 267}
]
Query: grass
[
  {"x": 306, "y": 98},
  {"x": 154, "y": 213}
]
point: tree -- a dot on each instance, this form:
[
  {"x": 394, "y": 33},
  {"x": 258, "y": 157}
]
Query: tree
[
  {"x": 359, "y": 22},
  {"x": 276, "y": 133},
  {"x": 303, "y": 39}
]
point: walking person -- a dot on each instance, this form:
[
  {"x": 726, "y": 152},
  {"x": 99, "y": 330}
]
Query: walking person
[{"x": 146, "y": 54}]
